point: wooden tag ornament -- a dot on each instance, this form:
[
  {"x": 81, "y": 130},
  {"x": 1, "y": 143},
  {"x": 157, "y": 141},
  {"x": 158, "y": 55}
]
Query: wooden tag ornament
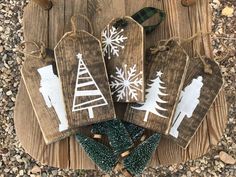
[
  {"x": 43, "y": 87},
  {"x": 123, "y": 49},
  {"x": 199, "y": 92},
  {"x": 84, "y": 81},
  {"x": 166, "y": 73}
]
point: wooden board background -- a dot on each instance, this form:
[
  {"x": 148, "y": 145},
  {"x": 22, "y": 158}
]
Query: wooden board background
[
  {"x": 173, "y": 64},
  {"x": 211, "y": 87},
  {"x": 67, "y": 153},
  {"x": 133, "y": 54},
  {"x": 67, "y": 66}
]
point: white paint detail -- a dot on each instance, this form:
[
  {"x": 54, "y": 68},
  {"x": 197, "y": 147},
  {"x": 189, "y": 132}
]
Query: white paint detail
[
  {"x": 126, "y": 83},
  {"x": 188, "y": 101},
  {"x": 83, "y": 70},
  {"x": 112, "y": 41},
  {"x": 153, "y": 98},
  {"x": 52, "y": 94}
]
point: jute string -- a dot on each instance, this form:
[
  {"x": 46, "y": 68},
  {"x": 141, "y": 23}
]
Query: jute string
[
  {"x": 162, "y": 45},
  {"x": 39, "y": 52},
  {"x": 74, "y": 23}
]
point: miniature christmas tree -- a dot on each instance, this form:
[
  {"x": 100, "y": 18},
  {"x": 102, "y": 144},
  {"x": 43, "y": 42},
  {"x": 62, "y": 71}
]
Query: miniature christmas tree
[
  {"x": 136, "y": 162},
  {"x": 117, "y": 134},
  {"x": 135, "y": 132},
  {"x": 103, "y": 156}
]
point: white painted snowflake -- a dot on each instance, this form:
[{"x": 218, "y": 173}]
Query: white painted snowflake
[
  {"x": 112, "y": 41},
  {"x": 126, "y": 83}
]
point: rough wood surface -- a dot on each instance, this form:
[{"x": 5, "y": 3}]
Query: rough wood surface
[
  {"x": 189, "y": 117},
  {"x": 67, "y": 153},
  {"x": 166, "y": 73},
  {"x": 125, "y": 62},
  {"x": 80, "y": 64},
  {"x": 45, "y": 4}
]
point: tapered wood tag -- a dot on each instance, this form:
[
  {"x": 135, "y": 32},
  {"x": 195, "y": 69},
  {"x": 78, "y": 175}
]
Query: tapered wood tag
[
  {"x": 43, "y": 87},
  {"x": 166, "y": 73},
  {"x": 84, "y": 81},
  {"x": 199, "y": 92},
  {"x": 123, "y": 49}
]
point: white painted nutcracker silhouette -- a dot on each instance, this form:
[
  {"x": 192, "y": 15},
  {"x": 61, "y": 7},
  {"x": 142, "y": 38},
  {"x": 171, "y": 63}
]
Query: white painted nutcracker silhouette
[
  {"x": 52, "y": 94},
  {"x": 188, "y": 101}
]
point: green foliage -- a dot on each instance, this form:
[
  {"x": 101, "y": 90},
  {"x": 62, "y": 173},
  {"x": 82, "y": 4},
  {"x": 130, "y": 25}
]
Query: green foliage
[
  {"x": 135, "y": 132},
  {"x": 103, "y": 156},
  {"x": 117, "y": 134},
  {"x": 136, "y": 162}
]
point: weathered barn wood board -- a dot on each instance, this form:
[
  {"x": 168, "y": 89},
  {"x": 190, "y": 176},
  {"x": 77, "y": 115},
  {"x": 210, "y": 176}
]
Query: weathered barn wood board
[
  {"x": 47, "y": 114},
  {"x": 84, "y": 80},
  {"x": 199, "y": 92},
  {"x": 47, "y": 118},
  {"x": 123, "y": 49},
  {"x": 67, "y": 153},
  {"x": 166, "y": 74}
]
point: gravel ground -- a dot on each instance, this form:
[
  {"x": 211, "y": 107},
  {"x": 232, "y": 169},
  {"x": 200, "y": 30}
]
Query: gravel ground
[{"x": 15, "y": 162}]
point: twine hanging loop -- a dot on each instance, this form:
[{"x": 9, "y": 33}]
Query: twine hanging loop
[
  {"x": 39, "y": 52},
  {"x": 74, "y": 23}
]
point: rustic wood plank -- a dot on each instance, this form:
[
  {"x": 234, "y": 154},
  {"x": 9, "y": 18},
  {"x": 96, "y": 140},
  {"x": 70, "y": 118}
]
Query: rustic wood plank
[
  {"x": 125, "y": 59},
  {"x": 32, "y": 78},
  {"x": 35, "y": 146},
  {"x": 161, "y": 92},
  {"x": 202, "y": 89},
  {"x": 101, "y": 12},
  {"x": 31, "y": 138},
  {"x": 216, "y": 128},
  {"x": 45, "y": 4},
  {"x": 82, "y": 72}
]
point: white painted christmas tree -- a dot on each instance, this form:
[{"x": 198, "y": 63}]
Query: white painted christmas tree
[
  {"x": 153, "y": 99},
  {"x": 188, "y": 101},
  {"x": 95, "y": 96},
  {"x": 52, "y": 94}
]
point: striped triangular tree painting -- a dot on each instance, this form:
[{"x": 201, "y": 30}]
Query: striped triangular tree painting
[
  {"x": 153, "y": 98},
  {"x": 86, "y": 87}
]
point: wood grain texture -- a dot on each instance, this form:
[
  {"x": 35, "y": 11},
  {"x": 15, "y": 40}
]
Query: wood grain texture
[
  {"x": 67, "y": 61},
  {"x": 32, "y": 78},
  {"x": 125, "y": 66},
  {"x": 168, "y": 152},
  {"x": 45, "y": 4},
  {"x": 212, "y": 84},
  {"x": 173, "y": 64}
]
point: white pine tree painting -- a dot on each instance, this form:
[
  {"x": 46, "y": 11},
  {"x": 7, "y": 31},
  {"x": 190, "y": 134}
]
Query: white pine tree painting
[
  {"x": 95, "y": 96},
  {"x": 151, "y": 105},
  {"x": 188, "y": 101}
]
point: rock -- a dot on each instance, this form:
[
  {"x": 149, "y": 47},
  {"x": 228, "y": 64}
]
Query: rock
[
  {"x": 226, "y": 158},
  {"x": 36, "y": 169},
  {"x": 9, "y": 93},
  {"x": 1, "y": 48},
  {"x": 21, "y": 172},
  {"x": 228, "y": 11}
]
